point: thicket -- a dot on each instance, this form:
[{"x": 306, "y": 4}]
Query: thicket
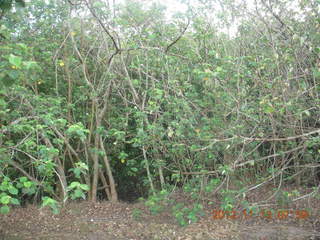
[{"x": 105, "y": 101}]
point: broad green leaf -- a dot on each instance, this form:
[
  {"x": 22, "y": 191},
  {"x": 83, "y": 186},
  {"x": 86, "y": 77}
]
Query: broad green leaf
[
  {"x": 23, "y": 179},
  {"x": 13, "y": 190},
  {"x": 3, "y": 187},
  {"x": 55, "y": 210},
  {"x": 23, "y": 46},
  {"x": 269, "y": 109},
  {"x": 14, "y": 201},
  {"x": 6, "y": 80},
  {"x": 84, "y": 187},
  {"x": 47, "y": 201},
  {"x": 79, "y": 193},
  {"x": 15, "y": 60},
  {"x": 13, "y": 74},
  {"x": 134, "y": 169},
  {"x": 28, "y": 184},
  {"x": 5, "y": 199},
  {"x": 30, "y": 64},
  {"x": 5, "y": 209},
  {"x": 74, "y": 185}
]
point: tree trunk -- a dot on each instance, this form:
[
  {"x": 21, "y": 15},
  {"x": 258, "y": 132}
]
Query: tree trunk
[
  {"x": 113, "y": 191},
  {"x": 148, "y": 169},
  {"x": 95, "y": 158}
]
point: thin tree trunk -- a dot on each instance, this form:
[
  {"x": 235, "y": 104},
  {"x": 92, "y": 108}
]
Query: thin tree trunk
[
  {"x": 95, "y": 158},
  {"x": 60, "y": 170},
  {"x": 148, "y": 169},
  {"x": 105, "y": 185},
  {"x": 113, "y": 191},
  {"x": 162, "y": 182}
]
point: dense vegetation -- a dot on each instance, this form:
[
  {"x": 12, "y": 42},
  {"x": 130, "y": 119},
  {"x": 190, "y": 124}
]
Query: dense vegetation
[{"x": 102, "y": 100}]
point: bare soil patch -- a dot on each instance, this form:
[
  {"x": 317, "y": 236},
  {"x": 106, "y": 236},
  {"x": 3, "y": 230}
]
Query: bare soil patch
[{"x": 110, "y": 221}]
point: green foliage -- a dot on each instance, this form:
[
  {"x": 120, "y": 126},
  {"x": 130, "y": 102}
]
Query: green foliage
[
  {"x": 80, "y": 168},
  {"x": 185, "y": 215},
  {"x": 15, "y": 67},
  {"x": 51, "y": 203},
  {"x": 136, "y": 213},
  {"x": 228, "y": 199},
  {"x": 212, "y": 185},
  {"x": 193, "y": 188},
  {"x": 77, "y": 190},
  {"x": 16, "y": 61},
  {"x": 4, "y": 209},
  {"x": 284, "y": 198},
  {"x": 157, "y": 202},
  {"x": 8, "y": 195},
  {"x": 27, "y": 187},
  {"x": 77, "y": 130}
]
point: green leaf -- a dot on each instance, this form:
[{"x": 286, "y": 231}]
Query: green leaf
[
  {"x": 269, "y": 109},
  {"x": 5, "y": 199},
  {"x": 15, "y": 60},
  {"x": 28, "y": 184},
  {"x": 14, "y": 201},
  {"x": 14, "y": 74},
  {"x": 13, "y": 190},
  {"x": 23, "y": 46},
  {"x": 78, "y": 193},
  {"x": 47, "y": 201},
  {"x": 7, "y": 80},
  {"x": 4, "y": 209},
  {"x": 134, "y": 169},
  {"x": 84, "y": 187},
  {"x": 23, "y": 179},
  {"x": 30, "y": 64},
  {"x": 3, "y": 187},
  {"x": 77, "y": 172},
  {"x": 74, "y": 185},
  {"x": 55, "y": 210}
]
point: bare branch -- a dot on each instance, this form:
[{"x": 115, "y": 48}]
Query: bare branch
[
  {"x": 281, "y": 139},
  {"x": 179, "y": 37},
  {"x": 118, "y": 50}
]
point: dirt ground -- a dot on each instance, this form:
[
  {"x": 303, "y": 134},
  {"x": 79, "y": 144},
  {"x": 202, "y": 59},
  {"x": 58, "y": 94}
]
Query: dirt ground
[{"x": 119, "y": 221}]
